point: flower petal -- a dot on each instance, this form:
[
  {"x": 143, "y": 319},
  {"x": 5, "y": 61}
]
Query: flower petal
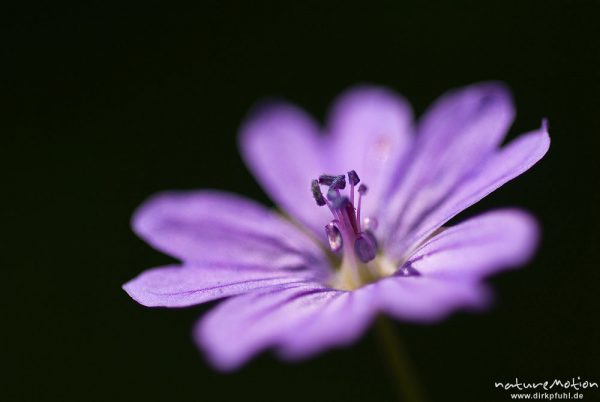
[
  {"x": 457, "y": 134},
  {"x": 508, "y": 163},
  {"x": 300, "y": 320},
  {"x": 177, "y": 286},
  {"x": 479, "y": 246},
  {"x": 371, "y": 130},
  {"x": 221, "y": 229},
  {"x": 339, "y": 322},
  {"x": 282, "y": 147},
  {"x": 241, "y": 327},
  {"x": 428, "y": 299}
]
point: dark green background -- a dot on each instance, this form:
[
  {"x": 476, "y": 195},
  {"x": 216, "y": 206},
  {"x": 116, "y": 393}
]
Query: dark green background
[{"x": 103, "y": 106}]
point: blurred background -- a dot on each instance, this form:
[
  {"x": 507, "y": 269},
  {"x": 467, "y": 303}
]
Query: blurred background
[{"x": 103, "y": 106}]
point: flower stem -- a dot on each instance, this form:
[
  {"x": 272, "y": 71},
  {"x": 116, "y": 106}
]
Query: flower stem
[{"x": 399, "y": 366}]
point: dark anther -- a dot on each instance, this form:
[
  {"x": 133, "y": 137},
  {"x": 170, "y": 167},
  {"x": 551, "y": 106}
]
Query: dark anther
[
  {"x": 326, "y": 179},
  {"x": 338, "y": 182},
  {"x": 362, "y": 189},
  {"x": 316, "y": 191},
  {"x": 353, "y": 178}
]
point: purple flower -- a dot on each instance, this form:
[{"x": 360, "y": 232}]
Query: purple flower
[{"x": 315, "y": 277}]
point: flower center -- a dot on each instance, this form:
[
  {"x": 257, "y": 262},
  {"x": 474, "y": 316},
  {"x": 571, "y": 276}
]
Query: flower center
[{"x": 349, "y": 235}]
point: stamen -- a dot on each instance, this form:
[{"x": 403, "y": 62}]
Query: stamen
[
  {"x": 337, "y": 201},
  {"x": 345, "y": 228},
  {"x": 326, "y": 179},
  {"x": 349, "y": 213},
  {"x": 344, "y": 213},
  {"x": 362, "y": 190},
  {"x": 338, "y": 182},
  {"x": 334, "y": 236},
  {"x": 353, "y": 178},
  {"x": 365, "y": 248},
  {"x": 333, "y": 195},
  {"x": 316, "y": 191}
]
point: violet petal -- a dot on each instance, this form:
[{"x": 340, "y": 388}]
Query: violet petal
[
  {"x": 508, "y": 163},
  {"x": 371, "y": 132},
  {"x": 282, "y": 147},
  {"x": 239, "y": 328},
  {"x": 478, "y": 247},
  {"x": 457, "y": 134},
  {"x": 300, "y": 320},
  {"x": 177, "y": 286},
  {"x": 216, "y": 228},
  {"x": 428, "y": 299}
]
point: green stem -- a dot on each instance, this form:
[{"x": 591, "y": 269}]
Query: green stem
[{"x": 398, "y": 363}]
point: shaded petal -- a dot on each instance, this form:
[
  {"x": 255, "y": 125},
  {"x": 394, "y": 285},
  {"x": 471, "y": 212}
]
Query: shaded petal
[
  {"x": 339, "y": 322},
  {"x": 221, "y": 229},
  {"x": 508, "y": 163},
  {"x": 241, "y": 327},
  {"x": 456, "y": 135},
  {"x": 428, "y": 299},
  {"x": 479, "y": 246},
  {"x": 371, "y": 129},
  {"x": 177, "y": 286},
  {"x": 282, "y": 147},
  {"x": 299, "y": 321}
]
